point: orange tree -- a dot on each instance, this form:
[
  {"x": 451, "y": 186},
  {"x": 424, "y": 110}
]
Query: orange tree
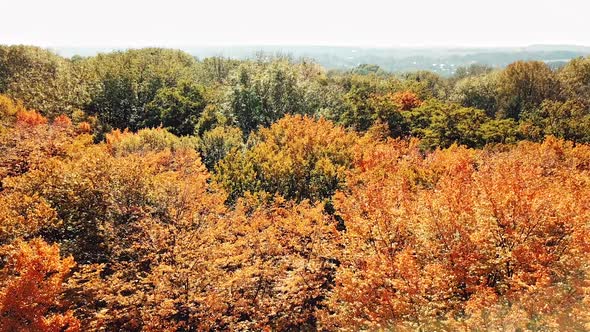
[
  {"x": 465, "y": 238},
  {"x": 30, "y": 288}
]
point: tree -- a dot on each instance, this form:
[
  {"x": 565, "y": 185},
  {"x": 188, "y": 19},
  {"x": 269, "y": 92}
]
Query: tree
[
  {"x": 425, "y": 84},
  {"x": 297, "y": 157},
  {"x": 32, "y": 140},
  {"x": 122, "y": 84},
  {"x": 358, "y": 115},
  {"x": 178, "y": 108},
  {"x": 389, "y": 108},
  {"x": 23, "y": 216},
  {"x": 524, "y": 86},
  {"x": 43, "y": 80},
  {"x": 8, "y": 110},
  {"x": 218, "y": 142},
  {"x": 574, "y": 79},
  {"x": 500, "y": 131},
  {"x": 30, "y": 288},
  {"x": 568, "y": 120},
  {"x": 472, "y": 70},
  {"x": 145, "y": 141},
  {"x": 366, "y": 69},
  {"x": 479, "y": 92},
  {"x": 462, "y": 238},
  {"x": 216, "y": 70},
  {"x": 441, "y": 125},
  {"x": 261, "y": 93}
]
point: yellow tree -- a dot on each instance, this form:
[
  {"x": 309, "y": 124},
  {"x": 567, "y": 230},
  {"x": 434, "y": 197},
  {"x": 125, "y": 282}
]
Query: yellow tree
[{"x": 297, "y": 157}]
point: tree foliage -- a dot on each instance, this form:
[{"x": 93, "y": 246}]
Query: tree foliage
[
  {"x": 122, "y": 84},
  {"x": 459, "y": 237},
  {"x": 271, "y": 194},
  {"x": 30, "y": 287},
  {"x": 42, "y": 79},
  {"x": 297, "y": 158}
]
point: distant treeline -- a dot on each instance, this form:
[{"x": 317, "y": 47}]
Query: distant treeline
[
  {"x": 153, "y": 87},
  {"x": 441, "y": 60}
]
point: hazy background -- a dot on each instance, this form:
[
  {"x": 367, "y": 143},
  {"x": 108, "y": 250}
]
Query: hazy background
[
  {"x": 304, "y": 22},
  {"x": 396, "y": 35}
]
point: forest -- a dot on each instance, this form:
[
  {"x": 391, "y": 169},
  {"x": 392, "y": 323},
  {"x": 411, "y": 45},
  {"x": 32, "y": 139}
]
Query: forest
[{"x": 147, "y": 190}]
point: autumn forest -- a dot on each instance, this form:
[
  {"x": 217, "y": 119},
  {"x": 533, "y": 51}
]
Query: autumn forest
[{"x": 148, "y": 190}]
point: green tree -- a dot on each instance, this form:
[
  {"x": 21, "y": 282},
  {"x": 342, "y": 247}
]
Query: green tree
[
  {"x": 366, "y": 69},
  {"x": 568, "y": 120},
  {"x": 472, "y": 70},
  {"x": 359, "y": 113},
  {"x": 425, "y": 84},
  {"x": 177, "y": 108},
  {"x": 41, "y": 79},
  {"x": 575, "y": 80},
  {"x": 124, "y": 83},
  {"x": 524, "y": 86},
  {"x": 478, "y": 92},
  {"x": 440, "y": 124},
  {"x": 500, "y": 131},
  {"x": 261, "y": 93},
  {"x": 218, "y": 142}
]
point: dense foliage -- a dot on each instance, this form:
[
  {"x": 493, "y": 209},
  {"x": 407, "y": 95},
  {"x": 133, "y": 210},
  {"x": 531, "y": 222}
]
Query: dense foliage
[
  {"x": 153, "y": 87},
  {"x": 147, "y": 190}
]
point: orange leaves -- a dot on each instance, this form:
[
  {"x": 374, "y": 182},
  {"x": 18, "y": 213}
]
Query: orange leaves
[
  {"x": 30, "y": 143},
  {"x": 407, "y": 100},
  {"x": 32, "y": 287},
  {"x": 277, "y": 265},
  {"x": 443, "y": 236},
  {"x": 402, "y": 101},
  {"x": 455, "y": 239},
  {"x": 84, "y": 128},
  {"x": 22, "y": 215},
  {"x": 30, "y": 118},
  {"x": 62, "y": 121}
]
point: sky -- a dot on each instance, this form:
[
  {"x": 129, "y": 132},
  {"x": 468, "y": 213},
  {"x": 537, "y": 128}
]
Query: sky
[{"x": 369, "y": 23}]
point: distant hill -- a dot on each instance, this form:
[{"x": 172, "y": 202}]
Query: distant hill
[{"x": 443, "y": 60}]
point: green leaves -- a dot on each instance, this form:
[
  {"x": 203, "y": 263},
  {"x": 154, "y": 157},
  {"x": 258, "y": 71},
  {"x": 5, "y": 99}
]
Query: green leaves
[
  {"x": 261, "y": 93},
  {"x": 43, "y": 80},
  {"x": 297, "y": 157},
  {"x": 441, "y": 125},
  {"x": 177, "y": 109},
  {"x": 122, "y": 84}
]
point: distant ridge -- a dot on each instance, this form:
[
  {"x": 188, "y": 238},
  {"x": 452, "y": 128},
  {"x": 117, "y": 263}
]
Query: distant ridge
[{"x": 441, "y": 59}]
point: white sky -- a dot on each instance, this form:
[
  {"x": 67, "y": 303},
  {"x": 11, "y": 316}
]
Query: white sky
[{"x": 132, "y": 23}]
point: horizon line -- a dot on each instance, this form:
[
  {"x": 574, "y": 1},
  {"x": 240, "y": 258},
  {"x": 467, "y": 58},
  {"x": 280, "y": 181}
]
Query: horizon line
[{"x": 361, "y": 46}]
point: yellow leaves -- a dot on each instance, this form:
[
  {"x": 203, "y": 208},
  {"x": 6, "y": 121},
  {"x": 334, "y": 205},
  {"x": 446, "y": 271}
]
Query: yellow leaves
[
  {"x": 23, "y": 215},
  {"x": 121, "y": 143},
  {"x": 9, "y": 107},
  {"x": 297, "y": 157}
]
